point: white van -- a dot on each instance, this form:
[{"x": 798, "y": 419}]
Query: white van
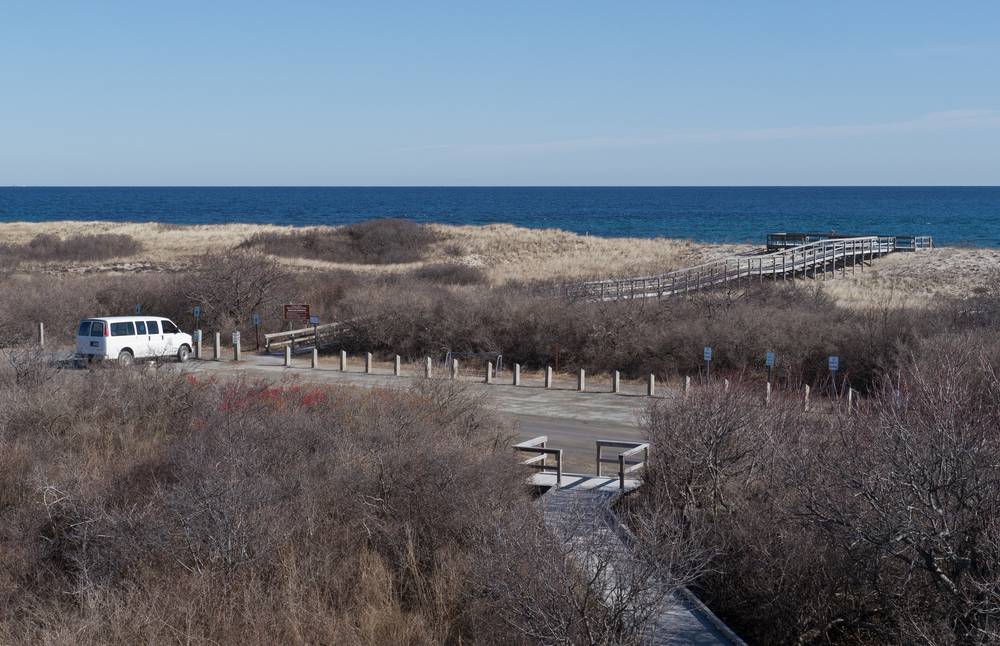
[{"x": 127, "y": 338}]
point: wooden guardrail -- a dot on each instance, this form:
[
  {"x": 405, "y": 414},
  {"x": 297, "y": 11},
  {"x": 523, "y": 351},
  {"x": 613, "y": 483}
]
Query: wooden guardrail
[
  {"x": 624, "y": 460},
  {"x": 536, "y": 447},
  {"x": 301, "y": 336},
  {"x": 819, "y": 257}
]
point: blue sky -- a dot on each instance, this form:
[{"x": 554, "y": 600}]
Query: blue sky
[{"x": 540, "y": 93}]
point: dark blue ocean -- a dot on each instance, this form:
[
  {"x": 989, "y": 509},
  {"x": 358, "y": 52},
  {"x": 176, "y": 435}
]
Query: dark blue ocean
[{"x": 953, "y": 215}]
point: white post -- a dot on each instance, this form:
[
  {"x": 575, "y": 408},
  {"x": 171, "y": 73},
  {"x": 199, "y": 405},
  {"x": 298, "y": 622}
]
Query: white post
[
  {"x": 454, "y": 368},
  {"x": 687, "y": 385},
  {"x": 489, "y": 372},
  {"x": 805, "y": 399},
  {"x": 288, "y": 356},
  {"x": 725, "y": 385},
  {"x": 343, "y": 360},
  {"x": 517, "y": 374},
  {"x": 548, "y": 376},
  {"x": 427, "y": 368},
  {"x": 581, "y": 380},
  {"x": 368, "y": 363},
  {"x": 850, "y": 400},
  {"x": 767, "y": 394},
  {"x": 396, "y": 367},
  {"x": 218, "y": 346},
  {"x": 41, "y": 334},
  {"x": 197, "y": 344},
  {"x": 651, "y": 386},
  {"x": 236, "y": 346},
  {"x": 616, "y": 386},
  {"x": 314, "y": 362}
]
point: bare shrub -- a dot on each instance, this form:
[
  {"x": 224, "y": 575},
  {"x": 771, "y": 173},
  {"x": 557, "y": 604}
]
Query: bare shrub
[
  {"x": 231, "y": 286},
  {"x": 452, "y": 273},
  {"x": 383, "y": 241},
  {"x": 78, "y": 248}
]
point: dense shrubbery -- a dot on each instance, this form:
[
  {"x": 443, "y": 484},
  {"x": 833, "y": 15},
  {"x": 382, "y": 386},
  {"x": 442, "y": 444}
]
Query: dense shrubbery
[
  {"x": 877, "y": 527},
  {"x": 383, "y": 241},
  {"x": 176, "y": 510},
  {"x": 78, "y": 248}
]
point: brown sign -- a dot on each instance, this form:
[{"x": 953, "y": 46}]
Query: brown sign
[{"x": 297, "y": 312}]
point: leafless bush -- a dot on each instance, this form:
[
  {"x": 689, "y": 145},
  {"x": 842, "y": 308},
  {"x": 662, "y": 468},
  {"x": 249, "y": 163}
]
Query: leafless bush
[
  {"x": 452, "y": 273},
  {"x": 231, "y": 286},
  {"x": 78, "y": 248},
  {"x": 874, "y": 527},
  {"x": 384, "y": 241}
]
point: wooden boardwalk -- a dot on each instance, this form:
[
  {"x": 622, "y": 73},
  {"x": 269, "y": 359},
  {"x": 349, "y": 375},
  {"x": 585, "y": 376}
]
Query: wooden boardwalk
[
  {"x": 578, "y": 511},
  {"x": 820, "y": 258}
]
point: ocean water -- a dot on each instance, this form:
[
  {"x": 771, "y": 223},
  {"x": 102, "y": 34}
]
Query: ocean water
[{"x": 953, "y": 215}]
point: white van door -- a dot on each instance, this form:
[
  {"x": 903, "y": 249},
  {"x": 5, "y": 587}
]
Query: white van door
[
  {"x": 154, "y": 334},
  {"x": 170, "y": 331}
]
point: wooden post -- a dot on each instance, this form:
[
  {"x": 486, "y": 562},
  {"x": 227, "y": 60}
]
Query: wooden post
[
  {"x": 489, "y": 372},
  {"x": 767, "y": 394},
  {"x": 41, "y": 334},
  {"x": 805, "y": 399},
  {"x": 454, "y": 368},
  {"x": 651, "y": 386},
  {"x": 218, "y": 347},
  {"x": 427, "y": 368},
  {"x": 288, "y": 356},
  {"x": 314, "y": 361},
  {"x": 517, "y": 374},
  {"x": 548, "y": 376},
  {"x": 197, "y": 344},
  {"x": 236, "y": 346},
  {"x": 687, "y": 386},
  {"x": 616, "y": 386},
  {"x": 850, "y": 400},
  {"x": 397, "y": 369},
  {"x": 343, "y": 360},
  {"x": 581, "y": 380},
  {"x": 368, "y": 363}
]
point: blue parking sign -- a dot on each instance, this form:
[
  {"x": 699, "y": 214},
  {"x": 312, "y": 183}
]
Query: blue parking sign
[
  {"x": 256, "y": 318},
  {"x": 769, "y": 359},
  {"x": 708, "y": 353},
  {"x": 834, "y": 363},
  {"x": 314, "y": 320},
  {"x": 197, "y": 311}
]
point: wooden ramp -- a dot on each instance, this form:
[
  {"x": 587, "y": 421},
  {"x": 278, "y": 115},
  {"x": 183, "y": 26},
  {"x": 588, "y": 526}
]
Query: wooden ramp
[
  {"x": 820, "y": 258},
  {"x": 578, "y": 511}
]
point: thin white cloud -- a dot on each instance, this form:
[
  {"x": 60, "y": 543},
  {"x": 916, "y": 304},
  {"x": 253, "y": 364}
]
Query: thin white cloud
[{"x": 932, "y": 122}]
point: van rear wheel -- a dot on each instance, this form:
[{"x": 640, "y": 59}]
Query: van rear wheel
[
  {"x": 183, "y": 353},
  {"x": 125, "y": 358}
]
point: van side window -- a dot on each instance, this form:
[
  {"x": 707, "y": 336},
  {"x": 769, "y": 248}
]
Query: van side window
[
  {"x": 169, "y": 328},
  {"x": 154, "y": 327},
  {"x": 97, "y": 329},
  {"x": 123, "y": 329},
  {"x": 84, "y": 328},
  {"x": 140, "y": 327}
]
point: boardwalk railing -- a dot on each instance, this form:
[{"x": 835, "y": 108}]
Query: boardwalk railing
[
  {"x": 536, "y": 447},
  {"x": 810, "y": 259},
  {"x": 301, "y": 336},
  {"x": 625, "y": 460}
]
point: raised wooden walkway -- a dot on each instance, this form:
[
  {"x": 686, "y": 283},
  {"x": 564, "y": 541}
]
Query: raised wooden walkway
[
  {"x": 578, "y": 509},
  {"x": 823, "y": 257}
]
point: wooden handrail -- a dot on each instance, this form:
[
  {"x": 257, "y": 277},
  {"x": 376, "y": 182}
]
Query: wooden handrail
[
  {"x": 536, "y": 446},
  {"x": 625, "y": 465}
]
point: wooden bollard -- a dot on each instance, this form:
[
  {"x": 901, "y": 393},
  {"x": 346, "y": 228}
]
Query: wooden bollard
[
  {"x": 368, "y": 363},
  {"x": 616, "y": 382},
  {"x": 454, "y": 368},
  {"x": 288, "y": 356},
  {"x": 548, "y": 376},
  {"x": 489, "y": 372},
  {"x": 217, "y": 354},
  {"x": 651, "y": 386},
  {"x": 517, "y": 374},
  {"x": 197, "y": 344},
  {"x": 397, "y": 368},
  {"x": 767, "y": 394},
  {"x": 687, "y": 386},
  {"x": 805, "y": 399},
  {"x": 236, "y": 346},
  {"x": 427, "y": 368},
  {"x": 343, "y": 360},
  {"x": 850, "y": 400},
  {"x": 581, "y": 380},
  {"x": 314, "y": 361},
  {"x": 725, "y": 385},
  {"x": 41, "y": 334}
]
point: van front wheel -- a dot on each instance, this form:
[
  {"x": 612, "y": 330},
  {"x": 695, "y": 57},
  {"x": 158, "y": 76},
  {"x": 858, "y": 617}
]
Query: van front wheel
[
  {"x": 183, "y": 353},
  {"x": 125, "y": 358}
]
